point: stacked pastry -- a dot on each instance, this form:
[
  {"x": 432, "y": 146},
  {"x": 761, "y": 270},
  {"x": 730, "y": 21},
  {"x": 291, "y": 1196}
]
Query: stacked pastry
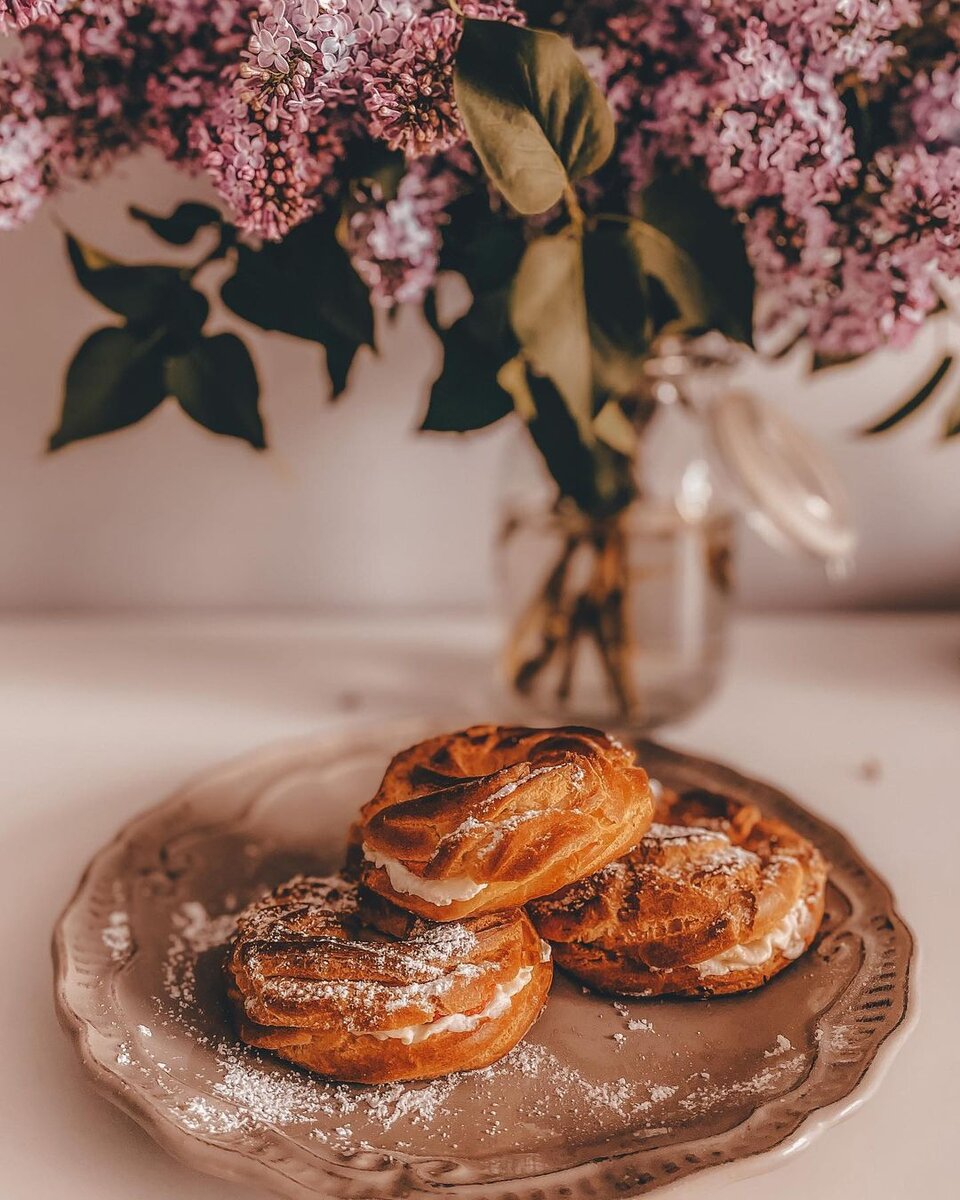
[{"x": 480, "y": 852}]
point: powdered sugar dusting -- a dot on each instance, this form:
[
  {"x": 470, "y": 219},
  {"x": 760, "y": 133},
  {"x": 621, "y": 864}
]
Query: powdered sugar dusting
[
  {"x": 252, "y": 1090},
  {"x": 193, "y": 933},
  {"x": 116, "y": 935},
  {"x": 782, "y": 1045},
  {"x": 647, "y": 1094},
  {"x": 768, "y": 1079},
  {"x": 634, "y": 1024}
]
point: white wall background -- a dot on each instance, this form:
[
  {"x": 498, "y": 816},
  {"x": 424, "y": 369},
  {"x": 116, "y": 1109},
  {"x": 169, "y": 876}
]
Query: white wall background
[{"x": 351, "y": 507}]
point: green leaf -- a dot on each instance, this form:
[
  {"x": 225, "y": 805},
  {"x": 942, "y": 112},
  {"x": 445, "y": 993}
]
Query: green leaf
[
  {"x": 469, "y": 402},
  {"x": 376, "y": 170},
  {"x": 430, "y": 313},
  {"x": 268, "y": 291},
  {"x": 615, "y": 286},
  {"x": 183, "y": 322},
  {"x": 531, "y": 111},
  {"x": 695, "y": 307},
  {"x": 114, "y": 380},
  {"x": 548, "y": 312},
  {"x": 467, "y": 394},
  {"x": 826, "y": 362},
  {"x": 340, "y": 353},
  {"x": 483, "y": 246},
  {"x": 596, "y": 477},
  {"x": 139, "y": 293},
  {"x": 951, "y": 426},
  {"x": 919, "y": 397},
  {"x": 617, "y": 306},
  {"x": 304, "y": 286},
  {"x": 216, "y": 384},
  {"x": 183, "y": 224},
  {"x": 705, "y": 266},
  {"x": 613, "y": 426}
]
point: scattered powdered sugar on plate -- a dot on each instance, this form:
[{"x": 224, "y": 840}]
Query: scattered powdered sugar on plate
[
  {"x": 841, "y": 1038},
  {"x": 634, "y": 1024},
  {"x": 266, "y": 1093},
  {"x": 704, "y": 1099},
  {"x": 194, "y": 933},
  {"x": 199, "y": 930},
  {"x": 201, "y": 1116},
  {"x": 783, "y": 1044},
  {"x": 116, "y": 935},
  {"x": 257, "y": 1090},
  {"x": 246, "y": 1090},
  {"x": 640, "y": 1025}
]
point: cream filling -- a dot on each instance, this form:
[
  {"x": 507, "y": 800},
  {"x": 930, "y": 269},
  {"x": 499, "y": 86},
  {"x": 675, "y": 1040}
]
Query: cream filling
[
  {"x": 787, "y": 938},
  {"x": 440, "y": 892},
  {"x": 462, "y": 1022}
]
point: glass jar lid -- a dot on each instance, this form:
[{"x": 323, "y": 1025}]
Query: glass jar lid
[{"x": 782, "y": 478}]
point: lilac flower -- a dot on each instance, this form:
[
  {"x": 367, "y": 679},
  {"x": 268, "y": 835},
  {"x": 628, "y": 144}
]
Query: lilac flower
[
  {"x": 271, "y": 48},
  {"x": 23, "y": 147},
  {"x": 395, "y": 245},
  {"x": 21, "y": 13},
  {"x": 933, "y": 108},
  {"x": 767, "y": 102},
  {"x": 408, "y": 94}
]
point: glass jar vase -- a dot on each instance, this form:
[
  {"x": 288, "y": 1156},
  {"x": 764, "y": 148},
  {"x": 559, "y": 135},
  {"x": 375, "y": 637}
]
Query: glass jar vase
[
  {"x": 620, "y": 621},
  {"x": 617, "y": 622}
]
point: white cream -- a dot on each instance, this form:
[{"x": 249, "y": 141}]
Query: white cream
[
  {"x": 437, "y": 891},
  {"x": 788, "y": 938},
  {"x": 462, "y": 1022}
]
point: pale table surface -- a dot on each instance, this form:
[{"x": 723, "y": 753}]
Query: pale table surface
[{"x": 99, "y": 717}]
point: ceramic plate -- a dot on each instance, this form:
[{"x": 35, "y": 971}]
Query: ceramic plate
[{"x": 603, "y": 1099}]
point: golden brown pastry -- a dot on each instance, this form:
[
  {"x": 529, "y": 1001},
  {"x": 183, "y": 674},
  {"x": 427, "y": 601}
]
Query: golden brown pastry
[
  {"x": 310, "y": 980},
  {"x": 715, "y": 898},
  {"x": 493, "y": 816}
]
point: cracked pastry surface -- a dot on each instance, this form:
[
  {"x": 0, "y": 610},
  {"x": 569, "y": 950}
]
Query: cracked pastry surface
[
  {"x": 714, "y": 898},
  {"x": 311, "y": 980},
  {"x": 493, "y": 816}
]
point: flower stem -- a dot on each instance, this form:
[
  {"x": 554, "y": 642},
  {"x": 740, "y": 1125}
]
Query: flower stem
[{"x": 574, "y": 211}]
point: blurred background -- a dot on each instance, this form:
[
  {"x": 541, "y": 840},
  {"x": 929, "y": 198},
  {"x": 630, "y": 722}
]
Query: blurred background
[{"x": 351, "y": 507}]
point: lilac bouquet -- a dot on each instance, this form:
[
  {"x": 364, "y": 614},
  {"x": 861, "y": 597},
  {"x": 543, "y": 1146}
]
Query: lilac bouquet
[
  {"x": 603, "y": 174},
  {"x": 364, "y": 147}
]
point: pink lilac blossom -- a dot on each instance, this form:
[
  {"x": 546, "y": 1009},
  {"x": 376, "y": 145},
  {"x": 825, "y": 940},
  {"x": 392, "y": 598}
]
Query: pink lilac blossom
[
  {"x": 272, "y": 144},
  {"x": 305, "y": 55},
  {"x": 18, "y": 14},
  {"x": 312, "y": 75},
  {"x": 395, "y": 245},
  {"x": 933, "y": 110},
  {"x": 918, "y": 203},
  {"x": 271, "y": 175},
  {"x": 765, "y": 100},
  {"x": 112, "y": 75},
  {"x": 409, "y": 96},
  {"x": 23, "y": 148},
  {"x": 757, "y": 98}
]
